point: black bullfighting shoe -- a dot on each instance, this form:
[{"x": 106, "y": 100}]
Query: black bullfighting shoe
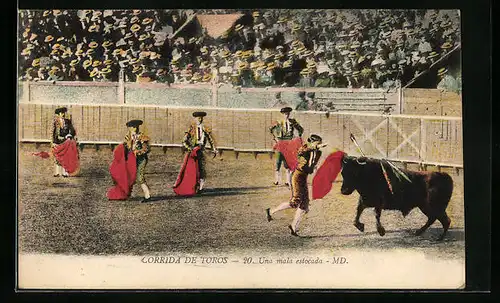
[
  {"x": 268, "y": 213},
  {"x": 292, "y": 231},
  {"x": 146, "y": 200}
]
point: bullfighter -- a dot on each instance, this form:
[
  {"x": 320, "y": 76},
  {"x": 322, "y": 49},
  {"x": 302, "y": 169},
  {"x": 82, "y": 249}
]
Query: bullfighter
[
  {"x": 198, "y": 135},
  {"x": 63, "y": 145},
  {"x": 308, "y": 156},
  {"x": 284, "y": 130}
]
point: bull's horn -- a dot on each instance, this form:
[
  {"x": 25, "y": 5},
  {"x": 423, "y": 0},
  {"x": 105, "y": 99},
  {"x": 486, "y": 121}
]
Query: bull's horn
[{"x": 362, "y": 163}]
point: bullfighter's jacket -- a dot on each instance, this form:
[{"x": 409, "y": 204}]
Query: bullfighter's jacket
[
  {"x": 284, "y": 130},
  {"x": 198, "y": 135},
  {"x": 62, "y": 129},
  {"x": 307, "y": 158},
  {"x": 139, "y": 144}
]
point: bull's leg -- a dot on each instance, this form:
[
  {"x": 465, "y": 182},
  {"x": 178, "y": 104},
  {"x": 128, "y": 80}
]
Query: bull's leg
[
  {"x": 380, "y": 228},
  {"x": 445, "y": 221},
  {"x": 360, "y": 226},
  {"x": 430, "y": 220}
]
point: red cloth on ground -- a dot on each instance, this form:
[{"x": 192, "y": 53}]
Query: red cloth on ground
[
  {"x": 67, "y": 155},
  {"x": 189, "y": 175},
  {"x": 326, "y": 175},
  {"x": 289, "y": 149},
  {"x": 123, "y": 173},
  {"x": 42, "y": 154}
]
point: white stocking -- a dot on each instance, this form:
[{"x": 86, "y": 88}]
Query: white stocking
[
  {"x": 296, "y": 220},
  {"x": 145, "y": 189},
  {"x": 288, "y": 177},
  {"x": 282, "y": 206},
  {"x": 277, "y": 176}
]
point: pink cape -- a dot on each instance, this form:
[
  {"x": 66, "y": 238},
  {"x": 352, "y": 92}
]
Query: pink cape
[
  {"x": 326, "y": 175},
  {"x": 123, "y": 173},
  {"x": 189, "y": 175},
  {"x": 67, "y": 155},
  {"x": 289, "y": 149}
]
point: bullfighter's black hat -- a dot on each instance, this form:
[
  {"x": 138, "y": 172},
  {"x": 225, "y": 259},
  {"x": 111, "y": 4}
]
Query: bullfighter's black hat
[
  {"x": 313, "y": 138},
  {"x": 61, "y": 110},
  {"x": 134, "y": 123},
  {"x": 311, "y": 95},
  {"x": 199, "y": 114},
  {"x": 286, "y": 110},
  {"x": 302, "y": 94}
]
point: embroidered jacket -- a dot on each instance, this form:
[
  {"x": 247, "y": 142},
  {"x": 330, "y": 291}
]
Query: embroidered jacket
[
  {"x": 284, "y": 130},
  {"x": 307, "y": 159},
  {"x": 198, "y": 135},
  {"x": 62, "y": 128},
  {"x": 139, "y": 143}
]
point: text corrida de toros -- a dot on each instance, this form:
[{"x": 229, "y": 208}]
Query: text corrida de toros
[{"x": 186, "y": 260}]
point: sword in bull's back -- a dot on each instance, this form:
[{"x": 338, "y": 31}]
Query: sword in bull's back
[{"x": 353, "y": 139}]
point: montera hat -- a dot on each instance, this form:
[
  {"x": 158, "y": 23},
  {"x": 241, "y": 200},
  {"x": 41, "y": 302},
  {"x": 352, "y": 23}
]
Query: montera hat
[
  {"x": 134, "y": 123},
  {"x": 286, "y": 110},
  {"x": 199, "y": 114},
  {"x": 314, "y": 138},
  {"x": 60, "y": 110}
]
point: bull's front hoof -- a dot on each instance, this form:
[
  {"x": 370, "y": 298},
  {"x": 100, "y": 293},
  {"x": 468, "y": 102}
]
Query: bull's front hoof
[
  {"x": 360, "y": 226},
  {"x": 381, "y": 231}
]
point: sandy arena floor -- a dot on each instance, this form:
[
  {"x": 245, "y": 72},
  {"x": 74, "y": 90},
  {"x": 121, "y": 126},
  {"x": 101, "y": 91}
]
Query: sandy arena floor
[{"x": 73, "y": 216}]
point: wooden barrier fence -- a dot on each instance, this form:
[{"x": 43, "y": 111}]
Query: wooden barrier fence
[{"x": 427, "y": 140}]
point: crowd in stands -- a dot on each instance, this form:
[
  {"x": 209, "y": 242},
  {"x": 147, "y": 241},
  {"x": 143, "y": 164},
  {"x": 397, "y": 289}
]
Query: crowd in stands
[{"x": 301, "y": 48}]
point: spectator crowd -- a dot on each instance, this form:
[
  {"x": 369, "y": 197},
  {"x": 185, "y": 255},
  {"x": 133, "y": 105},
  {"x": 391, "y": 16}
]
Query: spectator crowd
[{"x": 301, "y": 48}]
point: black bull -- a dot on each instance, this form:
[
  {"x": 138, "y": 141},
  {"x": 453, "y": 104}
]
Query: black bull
[{"x": 429, "y": 191}]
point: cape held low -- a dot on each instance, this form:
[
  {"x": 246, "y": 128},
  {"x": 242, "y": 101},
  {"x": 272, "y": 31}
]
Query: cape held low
[
  {"x": 189, "y": 176},
  {"x": 123, "y": 170}
]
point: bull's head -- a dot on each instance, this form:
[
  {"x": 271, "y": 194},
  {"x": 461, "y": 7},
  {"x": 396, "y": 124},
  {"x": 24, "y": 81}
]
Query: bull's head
[{"x": 351, "y": 167}]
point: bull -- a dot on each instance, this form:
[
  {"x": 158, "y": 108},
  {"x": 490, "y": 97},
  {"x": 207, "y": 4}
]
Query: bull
[{"x": 380, "y": 187}]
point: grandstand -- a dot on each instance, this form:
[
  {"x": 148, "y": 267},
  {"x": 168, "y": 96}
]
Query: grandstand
[{"x": 244, "y": 48}]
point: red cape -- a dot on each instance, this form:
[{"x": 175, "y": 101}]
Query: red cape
[
  {"x": 289, "y": 149},
  {"x": 189, "y": 175},
  {"x": 67, "y": 155},
  {"x": 123, "y": 173},
  {"x": 42, "y": 154},
  {"x": 326, "y": 175}
]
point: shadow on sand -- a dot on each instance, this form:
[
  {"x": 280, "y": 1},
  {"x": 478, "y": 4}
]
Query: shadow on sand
[
  {"x": 65, "y": 185},
  {"x": 208, "y": 192},
  {"x": 402, "y": 236}
]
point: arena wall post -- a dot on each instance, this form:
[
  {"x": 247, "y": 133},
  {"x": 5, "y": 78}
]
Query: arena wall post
[
  {"x": 121, "y": 87},
  {"x": 26, "y": 92},
  {"x": 214, "y": 94}
]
